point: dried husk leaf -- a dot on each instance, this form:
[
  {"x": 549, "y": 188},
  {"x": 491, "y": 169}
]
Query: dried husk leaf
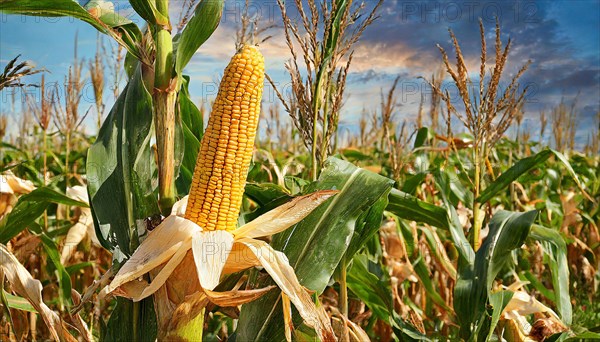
[
  {"x": 159, "y": 247},
  {"x": 284, "y": 216},
  {"x": 211, "y": 251},
  {"x": 236, "y": 297},
  {"x": 240, "y": 258},
  {"x": 12, "y": 184},
  {"x": 166, "y": 254}
]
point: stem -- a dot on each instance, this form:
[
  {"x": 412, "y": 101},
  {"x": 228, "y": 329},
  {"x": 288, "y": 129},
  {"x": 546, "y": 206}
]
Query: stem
[
  {"x": 33, "y": 326},
  {"x": 343, "y": 298},
  {"x": 512, "y": 184},
  {"x": 136, "y": 317},
  {"x": 68, "y": 138},
  {"x": 478, "y": 214},
  {"x": 315, "y": 167},
  {"x": 164, "y": 59},
  {"x": 164, "y": 109},
  {"x": 325, "y": 138},
  {"x": 44, "y": 157},
  {"x": 316, "y": 106}
]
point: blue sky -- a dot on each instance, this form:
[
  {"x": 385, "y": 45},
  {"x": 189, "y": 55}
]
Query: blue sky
[{"x": 562, "y": 38}]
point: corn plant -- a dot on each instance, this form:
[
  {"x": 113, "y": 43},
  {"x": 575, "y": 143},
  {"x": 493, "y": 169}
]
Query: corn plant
[
  {"x": 487, "y": 115},
  {"x": 155, "y": 80},
  {"x": 329, "y": 40}
]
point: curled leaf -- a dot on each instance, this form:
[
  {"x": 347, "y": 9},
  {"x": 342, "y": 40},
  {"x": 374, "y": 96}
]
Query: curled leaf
[{"x": 31, "y": 289}]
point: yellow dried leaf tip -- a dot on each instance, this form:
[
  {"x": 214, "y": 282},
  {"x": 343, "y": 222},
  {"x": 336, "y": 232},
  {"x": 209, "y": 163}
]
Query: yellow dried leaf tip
[{"x": 222, "y": 165}]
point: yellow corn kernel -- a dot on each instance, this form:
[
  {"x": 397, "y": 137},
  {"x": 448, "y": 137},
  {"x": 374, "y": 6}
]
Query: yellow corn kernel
[{"x": 222, "y": 165}]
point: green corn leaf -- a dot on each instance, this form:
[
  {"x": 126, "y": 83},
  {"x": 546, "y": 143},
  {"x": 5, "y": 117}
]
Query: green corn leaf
[
  {"x": 377, "y": 295},
  {"x": 120, "y": 167},
  {"x": 522, "y": 167},
  {"x": 193, "y": 126},
  {"x": 29, "y": 208},
  {"x": 576, "y": 335},
  {"x": 266, "y": 193},
  {"x": 78, "y": 267},
  {"x": 52, "y": 196},
  {"x": 64, "y": 280},
  {"x": 555, "y": 247},
  {"x": 438, "y": 250},
  {"x": 423, "y": 134},
  {"x": 16, "y": 302},
  {"x": 6, "y": 305},
  {"x": 122, "y": 327},
  {"x": 465, "y": 251},
  {"x": 366, "y": 227},
  {"x": 200, "y": 27},
  {"x": 315, "y": 245},
  {"x": 537, "y": 284},
  {"x": 119, "y": 171},
  {"x": 369, "y": 288},
  {"x": 354, "y": 155},
  {"x": 147, "y": 10},
  {"x": 267, "y": 196},
  {"x": 508, "y": 231},
  {"x": 411, "y": 183},
  {"x": 125, "y": 28},
  {"x": 411, "y": 208},
  {"x": 422, "y": 272},
  {"x": 498, "y": 300}
]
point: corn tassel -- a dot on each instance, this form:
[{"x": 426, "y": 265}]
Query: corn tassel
[{"x": 222, "y": 165}]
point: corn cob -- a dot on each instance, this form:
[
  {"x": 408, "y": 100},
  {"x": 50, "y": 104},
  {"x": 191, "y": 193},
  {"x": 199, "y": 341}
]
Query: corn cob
[{"x": 222, "y": 165}]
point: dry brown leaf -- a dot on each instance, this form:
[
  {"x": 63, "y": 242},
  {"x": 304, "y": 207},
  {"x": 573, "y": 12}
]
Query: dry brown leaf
[
  {"x": 236, "y": 297},
  {"x": 31, "y": 289},
  {"x": 10, "y": 187}
]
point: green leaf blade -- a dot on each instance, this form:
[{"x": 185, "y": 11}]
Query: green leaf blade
[
  {"x": 200, "y": 27},
  {"x": 316, "y": 245}
]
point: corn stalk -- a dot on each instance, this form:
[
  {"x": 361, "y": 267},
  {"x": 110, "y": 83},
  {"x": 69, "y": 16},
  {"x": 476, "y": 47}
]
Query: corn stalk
[{"x": 164, "y": 97}]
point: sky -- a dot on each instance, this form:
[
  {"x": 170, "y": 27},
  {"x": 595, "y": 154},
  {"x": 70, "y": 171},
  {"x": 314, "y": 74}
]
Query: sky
[{"x": 561, "y": 38}]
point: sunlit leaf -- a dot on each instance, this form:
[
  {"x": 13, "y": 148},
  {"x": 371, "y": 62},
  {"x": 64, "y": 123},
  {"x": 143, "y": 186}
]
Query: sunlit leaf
[
  {"x": 29, "y": 208},
  {"x": 508, "y": 230},
  {"x": 411, "y": 208},
  {"x": 316, "y": 245},
  {"x": 523, "y": 166},
  {"x": 556, "y": 249}
]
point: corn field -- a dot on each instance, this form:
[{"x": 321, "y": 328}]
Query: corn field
[{"x": 158, "y": 217}]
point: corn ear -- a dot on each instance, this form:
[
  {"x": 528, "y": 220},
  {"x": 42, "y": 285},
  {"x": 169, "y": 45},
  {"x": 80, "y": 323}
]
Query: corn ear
[{"x": 222, "y": 165}]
